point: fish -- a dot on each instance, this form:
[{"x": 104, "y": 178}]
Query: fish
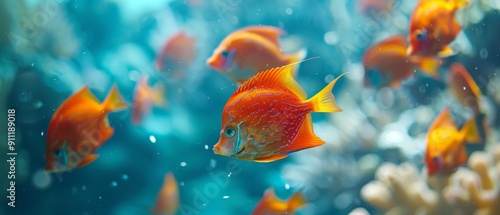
[
  {"x": 247, "y": 51},
  {"x": 78, "y": 127},
  {"x": 387, "y": 64},
  {"x": 145, "y": 97},
  {"x": 463, "y": 87},
  {"x": 268, "y": 117},
  {"x": 176, "y": 56},
  {"x": 433, "y": 27},
  {"x": 446, "y": 144},
  {"x": 465, "y": 90},
  {"x": 167, "y": 202},
  {"x": 270, "y": 204}
]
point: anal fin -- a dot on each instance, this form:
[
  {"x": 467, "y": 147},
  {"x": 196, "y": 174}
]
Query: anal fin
[{"x": 88, "y": 160}]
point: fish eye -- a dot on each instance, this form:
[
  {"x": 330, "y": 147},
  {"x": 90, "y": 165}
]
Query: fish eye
[
  {"x": 57, "y": 152},
  {"x": 229, "y": 132},
  {"x": 224, "y": 54},
  {"x": 421, "y": 35}
]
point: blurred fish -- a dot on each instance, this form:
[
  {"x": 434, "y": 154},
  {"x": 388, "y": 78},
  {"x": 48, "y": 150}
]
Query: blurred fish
[
  {"x": 144, "y": 97},
  {"x": 463, "y": 87},
  {"x": 268, "y": 117},
  {"x": 433, "y": 27},
  {"x": 270, "y": 204},
  {"x": 167, "y": 201},
  {"x": 176, "y": 55},
  {"x": 372, "y": 7},
  {"x": 445, "y": 143},
  {"x": 466, "y": 91},
  {"x": 78, "y": 128},
  {"x": 247, "y": 51},
  {"x": 386, "y": 63}
]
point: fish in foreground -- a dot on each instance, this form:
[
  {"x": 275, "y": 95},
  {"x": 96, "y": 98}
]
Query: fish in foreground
[
  {"x": 78, "y": 128},
  {"x": 145, "y": 97},
  {"x": 387, "y": 64},
  {"x": 247, "y": 51},
  {"x": 433, "y": 27},
  {"x": 268, "y": 117},
  {"x": 446, "y": 144},
  {"x": 167, "y": 201},
  {"x": 270, "y": 204},
  {"x": 176, "y": 55}
]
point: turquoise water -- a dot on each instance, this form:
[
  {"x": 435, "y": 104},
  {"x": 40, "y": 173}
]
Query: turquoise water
[{"x": 50, "y": 49}]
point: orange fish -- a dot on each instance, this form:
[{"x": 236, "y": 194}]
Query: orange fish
[
  {"x": 250, "y": 50},
  {"x": 78, "y": 128},
  {"x": 433, "y": 27},
  {"x": 167, "y": 201},
  {"x": 268, "y": 117},
  {"x": 386, "y": 63},
  {"x": 144, "y": 97},
  {"x": 446, "y": 144},
  {"x": 176, "y": 55},
  {"x": 270, "y": 204},
  {"x": 463, "y": 87}
]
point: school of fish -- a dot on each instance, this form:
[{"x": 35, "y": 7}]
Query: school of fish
[{"x": 268, "y": 117}]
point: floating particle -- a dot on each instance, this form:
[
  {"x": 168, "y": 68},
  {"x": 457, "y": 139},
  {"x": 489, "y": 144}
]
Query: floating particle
[
  {"x": 37, "y": 104},
  {"x": 124, "y": 177},
  {"x": 225, "y": 197},
  {"x": 287, "y": 186},
  {"x": 212, "y": 163},
  {"x": 84, "y": 188},
  {"x": 289, "y": 11},
  {"x": 41, "y": 179},
  {"x": 114, "y": 184},
  {"x": 41, "y": 133},
  {"x": 206, "y": 147},
  {"x": 183, "y": 164},
  {"x": 100, "y": 197},
  {"x": 181, "y": 183},
  {"x": 152, "y": 138}
]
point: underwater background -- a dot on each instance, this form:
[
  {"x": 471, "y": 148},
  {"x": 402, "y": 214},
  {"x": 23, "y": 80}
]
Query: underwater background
[{"x": 51, "y": 48}]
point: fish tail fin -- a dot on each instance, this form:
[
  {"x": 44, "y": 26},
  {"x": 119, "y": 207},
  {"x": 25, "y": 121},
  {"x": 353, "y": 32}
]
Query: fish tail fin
[
  {"x": 297, "y": 57},
  {"x": 324, "y": 101},
  {"x": 296, "y": 201},
  {"x": 470, "y": 132},
  {"x": 114, "y": 101},
  {"x": 429, "y": 65}
]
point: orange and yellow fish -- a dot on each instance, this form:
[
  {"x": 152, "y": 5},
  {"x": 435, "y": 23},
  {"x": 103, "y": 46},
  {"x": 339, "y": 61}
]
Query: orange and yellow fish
[
  {"x": 144, "y": 97},
  {"x": 167, "y": 201},
  {"x": 268, "y": 117},
  {"x": 433, "y": 27},
  {"x": 176, "y": 55},
  {"x": 446, "y": 144},
  {"x": 386, "y": 63},
  {"x": 247, "y": 51},
  {"x": 78, "y": 128},
  {"x": 270, "y": 204}
]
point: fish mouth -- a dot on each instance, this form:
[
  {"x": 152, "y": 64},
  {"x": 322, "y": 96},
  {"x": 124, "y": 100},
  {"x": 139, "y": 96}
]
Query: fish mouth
[{"x": 212, "y": 62}]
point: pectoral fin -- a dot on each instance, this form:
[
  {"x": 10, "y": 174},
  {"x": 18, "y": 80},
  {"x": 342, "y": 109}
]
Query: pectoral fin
[{"x": 88, "y": 160}]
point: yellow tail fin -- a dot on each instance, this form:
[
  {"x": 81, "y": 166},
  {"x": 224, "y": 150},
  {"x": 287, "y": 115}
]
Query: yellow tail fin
[
  {"x": 114, "y": 101},
  {"x": 295, "y": 202},
  {"x": 469, "y": 131},
  {"x": 324, "y": 101},
  {"x": 158, "y": 95}
]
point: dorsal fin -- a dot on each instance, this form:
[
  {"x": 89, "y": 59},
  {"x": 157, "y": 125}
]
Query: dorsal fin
[
  {"x": 271, "y": 33},
  {"x": 81, "y": 97},
  {"x": 275, "y": 78},
  {"x": 443, "y": 120}
]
